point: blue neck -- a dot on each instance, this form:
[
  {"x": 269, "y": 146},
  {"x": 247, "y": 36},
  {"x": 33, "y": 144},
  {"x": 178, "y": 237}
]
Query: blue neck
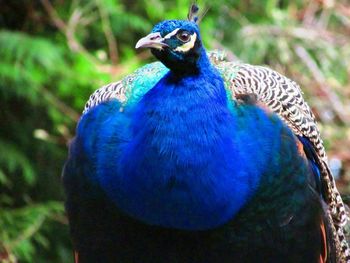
[
  {"x": 184, "y": 65},
  {"x": 191, "y": 167}
]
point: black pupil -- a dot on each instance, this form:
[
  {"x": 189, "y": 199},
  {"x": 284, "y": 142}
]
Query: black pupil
[{"x": 184, "y": 36}]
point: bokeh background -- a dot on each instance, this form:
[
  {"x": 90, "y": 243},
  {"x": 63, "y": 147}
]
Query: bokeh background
[{"x": 55, "y": 53}]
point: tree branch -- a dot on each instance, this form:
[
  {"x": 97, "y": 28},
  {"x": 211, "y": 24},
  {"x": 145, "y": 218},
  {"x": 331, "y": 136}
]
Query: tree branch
[
  {"x": 68, "y": 29},
  {"x": 59, "y": 23},
  {"x": 107, "y": 30},
  {"x": 335, "y": 103},
  {"x": 310, "y": 34},
  {"x": 61, "y": 106}
]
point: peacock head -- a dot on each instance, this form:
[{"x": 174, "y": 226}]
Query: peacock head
[{"x": 176, "y": 43}]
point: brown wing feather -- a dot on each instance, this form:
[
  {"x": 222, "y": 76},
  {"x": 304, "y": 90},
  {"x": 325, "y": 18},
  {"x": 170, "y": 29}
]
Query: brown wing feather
[{"x": 76, "y": 257}]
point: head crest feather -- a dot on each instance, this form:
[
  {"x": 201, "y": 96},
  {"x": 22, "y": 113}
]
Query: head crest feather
[{"x": 194, "y": 15}]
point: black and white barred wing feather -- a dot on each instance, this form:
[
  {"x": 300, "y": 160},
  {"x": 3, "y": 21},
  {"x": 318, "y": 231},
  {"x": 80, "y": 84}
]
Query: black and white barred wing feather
[
  {"x": 284, "y": 97},
  {"x": 115, "y": 90}
]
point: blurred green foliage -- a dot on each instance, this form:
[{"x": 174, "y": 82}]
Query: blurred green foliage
[{"x": 54, "y": 54}]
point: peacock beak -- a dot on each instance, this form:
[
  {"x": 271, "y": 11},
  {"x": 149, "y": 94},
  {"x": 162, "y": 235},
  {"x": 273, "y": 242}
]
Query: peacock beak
[{"x": 153, "y": 40}]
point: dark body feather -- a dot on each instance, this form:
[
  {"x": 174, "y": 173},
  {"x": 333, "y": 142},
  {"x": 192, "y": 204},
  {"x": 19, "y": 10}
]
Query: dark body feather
[
  {"x": 279, "y": 224},
  {"x": 187, "y": 175}
]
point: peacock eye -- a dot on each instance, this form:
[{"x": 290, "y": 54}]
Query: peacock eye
[{"x": 183, "y": 36}]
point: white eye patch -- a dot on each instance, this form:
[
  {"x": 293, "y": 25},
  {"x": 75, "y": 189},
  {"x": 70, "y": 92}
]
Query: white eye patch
[
  {"x": 188, "y": 45},
  {"x": 172, "y": 33}
]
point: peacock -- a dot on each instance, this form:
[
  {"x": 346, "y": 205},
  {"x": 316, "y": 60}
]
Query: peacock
[{"x": 195, "y": 158}]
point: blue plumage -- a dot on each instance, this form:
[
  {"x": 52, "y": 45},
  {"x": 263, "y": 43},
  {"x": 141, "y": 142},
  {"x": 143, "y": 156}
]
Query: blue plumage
[{"x": 183, "y": 165}]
